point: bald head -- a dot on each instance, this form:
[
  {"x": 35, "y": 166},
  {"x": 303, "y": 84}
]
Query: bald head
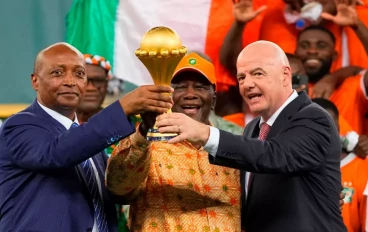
[
  {"x": 264, "y": 50},
  {"x": 59, "y": 78},
  {"x": 57, "y": 48},
  {"x": 264, "y": 77}
]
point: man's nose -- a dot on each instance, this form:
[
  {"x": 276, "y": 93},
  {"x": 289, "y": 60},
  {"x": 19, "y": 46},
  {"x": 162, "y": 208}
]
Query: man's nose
[
  {"x": 90, "y": 85},
  {"x": 69, "y": 79},
  {"x": 248, "y": 83},
  {"x": 312, "y": 50},
  {"x": 190, "y": 93}
]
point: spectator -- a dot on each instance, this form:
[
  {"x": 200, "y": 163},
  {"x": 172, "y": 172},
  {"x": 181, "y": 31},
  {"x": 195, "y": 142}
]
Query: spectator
[
  {"x": 354, "y": 178},
  {"x": 173, "y": 187}
]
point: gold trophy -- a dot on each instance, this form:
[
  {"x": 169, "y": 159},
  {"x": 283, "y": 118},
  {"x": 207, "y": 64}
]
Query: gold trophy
[{"x": 160, "y": 51}]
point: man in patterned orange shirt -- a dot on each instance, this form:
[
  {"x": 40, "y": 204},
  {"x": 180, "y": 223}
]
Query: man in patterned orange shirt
[
  {"x": 173, "y": 186},
  {"x": 354, "y": 177}
]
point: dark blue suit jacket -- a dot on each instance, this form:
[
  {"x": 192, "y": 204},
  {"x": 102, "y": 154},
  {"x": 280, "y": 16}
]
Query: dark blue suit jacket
[
  {"x": 42, "y": 187},
  {"x": 296, "y": 179}
]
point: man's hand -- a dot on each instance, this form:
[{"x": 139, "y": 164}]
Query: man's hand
[
  {"x": 295, "y": 5},
  {"x": 324, "y": 87},
  {"x": 149, "y": 98},
  {"x": 186, "y": 127},
  {"x": 342, "y": 196},
  {"x": 346, "y": 13},
  {"x": 148, "y": 121},
  {"x": 244, "y": 12},
  {"x": 361, "y": 149}
]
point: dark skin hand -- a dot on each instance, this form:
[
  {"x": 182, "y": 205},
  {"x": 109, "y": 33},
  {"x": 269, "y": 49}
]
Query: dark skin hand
[
  {"x": 148, "y": 98},
  {"x": 342, "y": 196},
  {"x": 327, "y": 85},
  {"x": 347, "y": 16},
  {"x": 295, "y": 5},
  {"x": 148, "y": 121},
  {"x": 361, "y": 149}
]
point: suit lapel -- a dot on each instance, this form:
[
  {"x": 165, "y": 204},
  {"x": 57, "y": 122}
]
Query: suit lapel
[
  {"x": 36, "y": 108},
  {"x": 286, "y": 114},
  {"x": 282, "y": 120},
  {"x": 251, "y": 131}
]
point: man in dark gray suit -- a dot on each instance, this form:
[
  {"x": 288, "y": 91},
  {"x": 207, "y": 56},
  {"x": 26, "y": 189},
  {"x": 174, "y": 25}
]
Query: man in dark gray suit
[{"x": 293, "y": 168}]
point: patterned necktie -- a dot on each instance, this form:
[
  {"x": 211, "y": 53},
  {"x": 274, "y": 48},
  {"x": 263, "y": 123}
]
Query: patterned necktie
[
  {"x": 265, "y": 128},
  {"x": 92, "y": 186}
]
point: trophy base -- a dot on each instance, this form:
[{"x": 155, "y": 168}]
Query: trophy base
[{"x": 154, "y": 135}]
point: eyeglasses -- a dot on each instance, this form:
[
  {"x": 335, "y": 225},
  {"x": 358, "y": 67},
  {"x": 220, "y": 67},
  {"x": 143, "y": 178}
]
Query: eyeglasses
[{"x": 97, "y": 82}]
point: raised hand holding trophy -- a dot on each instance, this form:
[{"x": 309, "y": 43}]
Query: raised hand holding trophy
[{"x": 160, "y": 51}]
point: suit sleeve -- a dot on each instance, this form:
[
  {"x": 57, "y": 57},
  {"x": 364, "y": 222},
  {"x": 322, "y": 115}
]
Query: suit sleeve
[
  {"x": 300, "y": 147},
  {"x": 128, "y": 167},
  {"x": 33, "y": 146}
]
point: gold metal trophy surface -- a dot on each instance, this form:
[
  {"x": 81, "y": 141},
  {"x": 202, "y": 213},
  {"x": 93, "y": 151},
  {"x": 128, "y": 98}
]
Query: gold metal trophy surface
[{"x": 160, "y": 51}]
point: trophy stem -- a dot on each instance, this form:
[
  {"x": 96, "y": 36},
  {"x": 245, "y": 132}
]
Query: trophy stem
[{"x": 154, "y": 135}]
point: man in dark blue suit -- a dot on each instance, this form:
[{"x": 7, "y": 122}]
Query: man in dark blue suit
[
  {"x": 52, "y": 168},
  {"x": 291, "y": 152}
]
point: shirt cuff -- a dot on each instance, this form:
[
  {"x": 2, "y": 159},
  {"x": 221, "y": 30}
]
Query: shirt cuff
[{"x": 213, "y": 141}]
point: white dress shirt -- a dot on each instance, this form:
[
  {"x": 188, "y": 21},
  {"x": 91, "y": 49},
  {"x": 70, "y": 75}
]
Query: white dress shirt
[
  {"x": 67, "y": 123},
  {"x": 214, "y": 138}
]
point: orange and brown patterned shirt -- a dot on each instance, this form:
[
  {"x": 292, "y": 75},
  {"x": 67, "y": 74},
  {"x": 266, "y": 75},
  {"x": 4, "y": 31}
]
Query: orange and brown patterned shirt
[{"x": 173, "y": 187}]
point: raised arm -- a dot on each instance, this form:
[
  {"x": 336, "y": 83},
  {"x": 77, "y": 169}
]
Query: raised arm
[
  {"x": 327, "y": 85},
  {"x": 301, "y": 147},
  {"x": 128, "y": 167},
  {"x": 347, "y": 16},
  {"x": 232, "y": 46},
  {"x": 33, "y": 145}
]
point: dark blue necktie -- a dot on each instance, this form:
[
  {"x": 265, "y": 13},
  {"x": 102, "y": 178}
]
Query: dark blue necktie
[{"x": 92, "y": 186}]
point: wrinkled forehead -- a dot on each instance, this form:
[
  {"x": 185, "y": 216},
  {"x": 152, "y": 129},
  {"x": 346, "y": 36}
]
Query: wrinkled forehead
[{"x": 248, "y": 63}]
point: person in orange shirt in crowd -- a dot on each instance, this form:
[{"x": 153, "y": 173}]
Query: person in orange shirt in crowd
[
  {"x": 316, "y": 50},
  {"x": 345, "y": 19},
  {"x": 354, "y": 178},
  {"x": 360, "y": 144},
  {"x": 264, "y": 19},
  {"x": 298, "y": 69},
  {"x": 173, "y": 186}
]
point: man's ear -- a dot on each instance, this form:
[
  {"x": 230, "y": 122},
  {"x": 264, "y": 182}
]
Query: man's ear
[
  {"x": 286, "y": 75},
  {"x": 213, "y": 101},
  {"x": 34, "y": 80}
]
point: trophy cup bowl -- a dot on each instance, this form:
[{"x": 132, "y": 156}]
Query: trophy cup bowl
[{"x": 160, "y": 52}]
